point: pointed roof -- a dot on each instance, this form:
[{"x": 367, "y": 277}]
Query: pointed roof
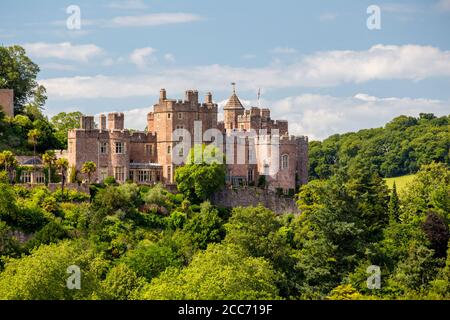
[{"x": 233, "y": 102}]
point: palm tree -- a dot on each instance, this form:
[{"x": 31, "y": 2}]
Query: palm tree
[
  {"x": 9, "y": 162},
  {"x": 33, "y": 136},
  {"x": 62, "y": 164},
  {"x": 49, "y": 159},
  {"x": 89, "y": 168}
]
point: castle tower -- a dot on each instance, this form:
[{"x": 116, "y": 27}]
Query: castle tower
[{"x": 232, "y": 110}]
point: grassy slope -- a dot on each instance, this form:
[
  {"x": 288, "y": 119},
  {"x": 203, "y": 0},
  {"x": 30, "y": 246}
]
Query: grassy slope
[{"x": 401, "y": 182}]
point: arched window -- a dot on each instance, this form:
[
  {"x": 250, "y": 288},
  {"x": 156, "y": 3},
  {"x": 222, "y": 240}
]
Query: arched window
[{"x": 284, "y": 161}]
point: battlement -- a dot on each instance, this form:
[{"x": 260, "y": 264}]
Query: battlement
[
  {"x": 140, "y": 136},
  {"x": 190, "y": 103},
  {"x": 116, "y": 121}
]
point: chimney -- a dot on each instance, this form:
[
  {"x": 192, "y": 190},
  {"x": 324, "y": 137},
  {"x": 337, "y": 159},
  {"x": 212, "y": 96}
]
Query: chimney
[
  {"x": 116, "y": 121},
  {"x": 102, "y": 122},
  {"x": 162, "y": 95},
  {"x": 208, "y": 98}
]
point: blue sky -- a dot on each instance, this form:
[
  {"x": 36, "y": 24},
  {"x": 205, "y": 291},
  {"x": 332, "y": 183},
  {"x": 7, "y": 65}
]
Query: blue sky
[{"x": 316, "y": 62}]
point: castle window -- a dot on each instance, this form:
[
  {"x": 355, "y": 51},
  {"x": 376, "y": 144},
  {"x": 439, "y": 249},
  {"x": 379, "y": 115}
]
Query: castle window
[
  {"x": 143, "y": 176},
  {"x": 251, "y": 176},
  {"x": 120, "y": 147},
  {"x": 284, "y": 161},
  {"x": 70, "y": 146},
  {"x": 180, "y": 116},
  {"x": 181, "y": 152},
  {"x": 119, "y": 174},
  {"x": 169, "y": 150},
  {"x": 148, "y": 149},
  {"x": 169, "y": 115},
  {"x": 169, "y": 174},
  {"x": 104, "y": 147},
  {"x": 103, "y": 173}
]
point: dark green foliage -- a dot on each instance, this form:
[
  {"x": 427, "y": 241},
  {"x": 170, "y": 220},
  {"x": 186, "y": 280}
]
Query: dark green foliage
[
  {"x": 436, "y": 230},
  {"x": 401, "y": 147},
  {"x": 394, "y": 205}
]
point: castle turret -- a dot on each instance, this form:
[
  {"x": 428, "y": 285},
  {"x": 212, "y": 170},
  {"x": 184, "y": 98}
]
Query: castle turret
[
  {"x": 232, "y": 110},
  {"x": 116, "y": 121}
]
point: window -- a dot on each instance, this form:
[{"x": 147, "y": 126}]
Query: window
[
  {"x": 251, "y": 177},
  {"x": 103, "y": 147},
  {"x": 148, "y": 149},
  {"x": 120, "y": 147},
  {"x": 70, "y": 146},
  {"x": 180, "y": 116},
  {"x": 180, "y": 127},
  {"x": 169, "y": 150},
  {"x": 169, "y": 174},
  {"x": 181, "y": 152},
  {"x": 103, "y": 173},
  {"x": 284, "y": 161},
  {"x": 119, "y": 173},
  {"x": 169, "y": 115},
  {"x": 40, "y": 177},
  {"x": 131, "y": 175},
  {"x": 143, "y": 176},
  {"x": 26, "y": 177}
]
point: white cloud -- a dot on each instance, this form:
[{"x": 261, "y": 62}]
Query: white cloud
[
  {"x": 283, "y": 50},
  {"x": 128, "y": 5},
  {"x": 331, "y": 68},
  {"x": 320, "y": 116},
  {"x": 169, "y": 57},
  {"x": 155, "y": 19},
  {"x": 443, "y": 5},
  {"x": 328, "y": 16},
  {"x": 57, "y": 67},
  {"x": 63, "y": 51},
  {"x": 143, "y": 57}
]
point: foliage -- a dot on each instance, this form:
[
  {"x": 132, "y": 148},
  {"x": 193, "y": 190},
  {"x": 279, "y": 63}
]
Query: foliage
[{"x": 220, "y": 273}]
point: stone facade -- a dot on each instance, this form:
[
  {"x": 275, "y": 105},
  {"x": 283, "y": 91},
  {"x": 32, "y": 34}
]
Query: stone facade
[
  {"x": 148, "y": 157},
  {"x": 7, "y": 102}
]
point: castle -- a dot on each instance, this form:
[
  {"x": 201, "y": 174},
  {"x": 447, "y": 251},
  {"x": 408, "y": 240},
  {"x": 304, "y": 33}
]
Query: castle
[{"x": 149, "y": 157}]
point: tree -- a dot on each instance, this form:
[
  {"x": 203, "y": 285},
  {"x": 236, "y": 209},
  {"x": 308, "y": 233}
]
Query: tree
[
  {"x": 62, "y": 164},
  {"x": 43, "y": 274},
  {"x": 198, "y": 181},
  {"x": 121, "y": 283},
  {"x": 89, "y": 168},
  {"x": 9, "y": 162},
  {"x": 436, "y": 230},
  {"x": 33, "y": 136},
  {"x": 394, "y": 205},
  {"x": 222, "y": 272},
  {"x": 19, "y": 73},
  {"x": 63, "y": 122},
  {"x": 49, "y": 159}
]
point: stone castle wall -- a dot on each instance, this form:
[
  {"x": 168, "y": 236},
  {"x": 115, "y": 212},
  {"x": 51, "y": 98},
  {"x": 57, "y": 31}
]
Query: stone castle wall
[{"x": 244, "y": 197}]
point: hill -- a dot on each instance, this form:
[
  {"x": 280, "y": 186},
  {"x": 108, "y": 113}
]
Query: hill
[{"x": 400, "y": 148}]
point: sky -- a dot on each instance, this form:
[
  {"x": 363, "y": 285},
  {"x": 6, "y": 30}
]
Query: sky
[{"x": 319, "y": 64}]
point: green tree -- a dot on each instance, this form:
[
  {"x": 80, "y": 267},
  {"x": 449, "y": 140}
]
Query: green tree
[
  {"x": 121, "y": 283},
  {"x": 219, "y": 273},
  {"x": 89, "y": 168},
  {"x": 19, "y": 73},
  {"x": 62, "y": 164},
  {"x": 43, "y": 274},
  {"x": 201, "y": 176},
  {"x": 33, "y": 136},
  {"x": 394, "y": 205},
  {"x": 63, "y": 122},
  {"x": 9, "y": 163},
  {"x": 49, "y": 159}
]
